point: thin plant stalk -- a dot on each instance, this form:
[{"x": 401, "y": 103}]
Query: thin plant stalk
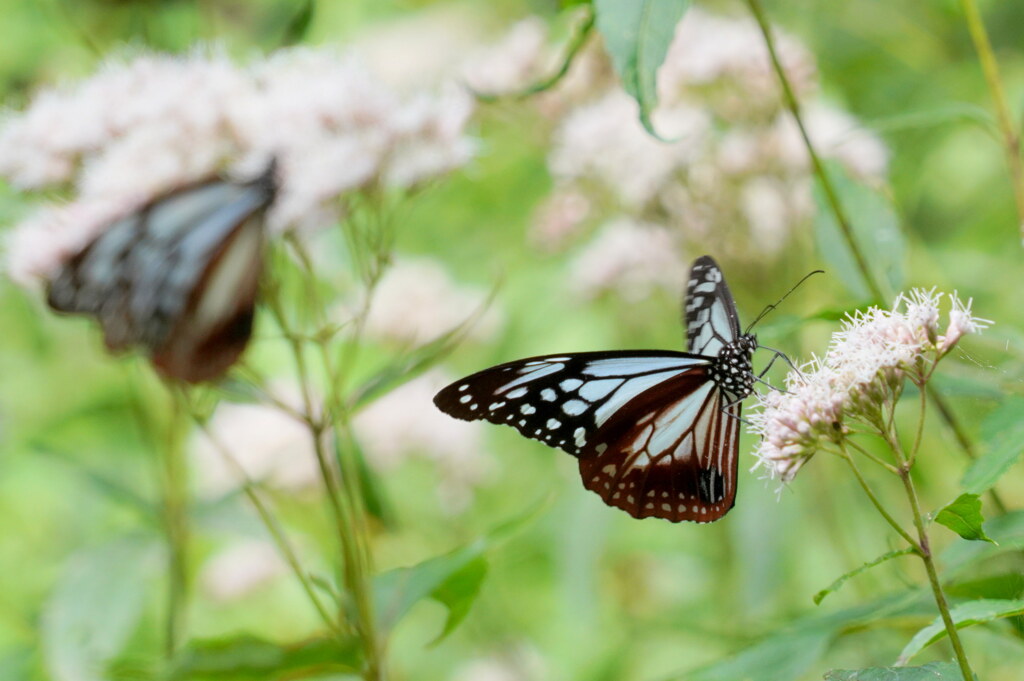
[
  {"x": 275, "y": 529},
  {"x": 343, "y": 495},
  {"x": 175, "y": 519},
  {"x": 757, "y": 9},
  {"x": 1004, "y": 119}
]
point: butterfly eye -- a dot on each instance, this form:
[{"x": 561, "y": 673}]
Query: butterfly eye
[{"x": 177, "y": 278}]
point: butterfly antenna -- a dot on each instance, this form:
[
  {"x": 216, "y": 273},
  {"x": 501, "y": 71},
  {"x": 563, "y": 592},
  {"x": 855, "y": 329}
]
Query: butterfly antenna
[{"x": 772, "y": 306}]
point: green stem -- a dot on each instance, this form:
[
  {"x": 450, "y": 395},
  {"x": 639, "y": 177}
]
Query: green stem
[
  {"x": 573, "y": 49},
  {"x": 874, "y": 499},
  {"x": 933, "y": 576},
  {"x": 275, "y": 529},
  {"x": 884, "y": 464},
  {"x": 819, "y": 168},
  {"x": 175, "y": 515},
  {"x": 1011, "y": 137}
]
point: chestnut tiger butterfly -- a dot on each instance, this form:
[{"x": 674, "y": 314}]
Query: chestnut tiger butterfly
[
  {"x": 656, "y": 432},
  {"x": 177, "y": 278}
]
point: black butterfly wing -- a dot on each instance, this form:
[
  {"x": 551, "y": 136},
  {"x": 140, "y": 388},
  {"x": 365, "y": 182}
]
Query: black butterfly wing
[
  {"x": 709, "y": 310},
  {"x": 178, "y": 277},
  {"x": 562, "y": 400}
]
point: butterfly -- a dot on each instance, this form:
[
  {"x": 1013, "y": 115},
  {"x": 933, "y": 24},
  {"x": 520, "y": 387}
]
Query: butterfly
[
  {"x": 178, "y": 277},
  {"x": 656, "y": 432}
]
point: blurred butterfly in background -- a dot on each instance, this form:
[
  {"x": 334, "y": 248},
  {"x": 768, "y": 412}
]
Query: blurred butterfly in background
[
  {"x": 656, "y": 432},
  {"x": 178, "y": 277}
]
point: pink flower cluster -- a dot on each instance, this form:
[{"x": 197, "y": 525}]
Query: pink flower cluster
[{"x": 863, "y": 370}]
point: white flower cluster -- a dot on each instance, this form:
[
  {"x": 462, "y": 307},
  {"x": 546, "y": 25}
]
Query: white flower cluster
[
  {"x": 863, "y": 370},
  {"x": 416, "y": 301},
  {"x": 143, "y": 126},
  {"x": 733, "y": 172}
]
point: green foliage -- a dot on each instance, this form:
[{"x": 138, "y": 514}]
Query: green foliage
[
  {"x": 1002, "y": 434},
  {"x": 637, "y": 34},
  {"x": 933, "y": 671},
  {"x": 875, "y": 229},
  {"x": 963, "y": 615},
  {"x": 836, "y": 585},
  {"x": 963, "y": 516},
  {"x": 95, "y": 607},
  {"x": 249, "y": 658}
]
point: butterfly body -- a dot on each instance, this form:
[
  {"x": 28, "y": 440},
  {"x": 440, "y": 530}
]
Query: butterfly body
[
  {"x": 177, "y": 277},
  {"x": 656, "y": 432}
]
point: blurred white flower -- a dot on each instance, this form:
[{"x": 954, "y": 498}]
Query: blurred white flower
[
  {"x": 559, "y": 218},
  {"x": 518, "y": 663},
  {"x": 866, "y": 364},
  {"x": 512, "y": 63},
  {"x": 604, "y": 142},
  {"x": 240, "y": 569},
  {"x": 629, "y": 257},
  {"x": 725, "y": 59},
  {"x": 270, "y": 445},
  {"x": 417, "y": 301},
  {"x": 835, "y": 134},
  {"x": 404, "y": 423},
  {"x": 144, "y": 126}
]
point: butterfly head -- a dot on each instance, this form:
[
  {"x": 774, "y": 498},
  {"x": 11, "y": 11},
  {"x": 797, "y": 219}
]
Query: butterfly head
[{"x": 733, "y": 371}]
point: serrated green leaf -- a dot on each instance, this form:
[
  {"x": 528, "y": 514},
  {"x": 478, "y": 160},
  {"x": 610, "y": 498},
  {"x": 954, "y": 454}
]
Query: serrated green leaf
[
  {"x": 245, "y": 657},
  {"x": 1003, "y": 436},
  {"x": 963, "y": 615},
  {"x": 963, "y": 516},
  {"x": 876, "y": 231},
  {"x": 834, "y": 586},
  {"x": 933, "y": 671},
  {"x": 95, "y": 607},
  {"x": 637, "y": 35}
]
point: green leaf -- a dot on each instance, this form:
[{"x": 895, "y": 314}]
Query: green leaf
[
  {"x": 1006, "y": 529},
  {"x": 875, "y": 227},
  {"x": 963, "y": 516},
  {"x": 780, "y": 657},
  {"x": 1003, "y": 436},
  {"x": 933, "y": 671},
  {"x": 298, "y": 26},
  {"x": 963, "y": 615},
  {"x": 453, "y": 579},
  {"x": 637, "y": 34},
  {"x": 244, "y": 657},
  {"x": 458, "y": 592},
  {"x": 834, "y": 586},
  {"x": 95, "y": 607}
]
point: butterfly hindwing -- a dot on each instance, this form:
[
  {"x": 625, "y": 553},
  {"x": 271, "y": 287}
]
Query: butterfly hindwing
[
  {"x": 562, "y": 400},
  {"x": 670, "y": 453},
  {"x": 709, "y": 311}
]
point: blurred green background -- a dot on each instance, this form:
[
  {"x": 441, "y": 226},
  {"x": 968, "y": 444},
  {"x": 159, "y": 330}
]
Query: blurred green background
[{"x": 584, "y": 591}]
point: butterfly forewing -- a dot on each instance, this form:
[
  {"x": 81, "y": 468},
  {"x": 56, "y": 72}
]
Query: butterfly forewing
[
  {"x": 562, "y": 400},
  {"x": 178, "y": 277},
  {"x": 709, "y": 310}
]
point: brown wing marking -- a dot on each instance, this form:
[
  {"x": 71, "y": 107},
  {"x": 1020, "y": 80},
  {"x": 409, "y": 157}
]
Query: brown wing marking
[{"x": 669, "y": 453}]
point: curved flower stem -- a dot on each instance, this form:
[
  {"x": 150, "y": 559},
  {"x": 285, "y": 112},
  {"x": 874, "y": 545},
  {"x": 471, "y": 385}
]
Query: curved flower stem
[
  {"x": 175, "y": 513},
  {"x": 924, "y": 550},
  {"x": 874, "y": 499},
  {"x": 819, "y": 168},
  {"x": 884, "y": 464},
  {"x": 1011, "y": 136},
  {"x": 277, "y": 532}
]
